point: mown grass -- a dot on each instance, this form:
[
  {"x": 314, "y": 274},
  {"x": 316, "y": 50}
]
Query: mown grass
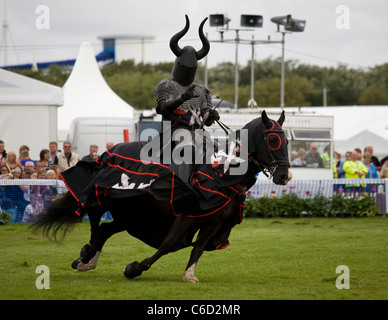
[{"x": 268, "y": 259}]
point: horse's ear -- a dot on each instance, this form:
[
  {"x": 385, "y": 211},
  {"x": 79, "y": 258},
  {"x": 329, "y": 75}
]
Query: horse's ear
[
  {"x": 266, "y": 121},
  {"x": 281, "y": 119}
]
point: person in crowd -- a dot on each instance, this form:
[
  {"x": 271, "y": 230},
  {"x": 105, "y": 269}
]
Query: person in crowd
[
  {"x": 11, "y": 160},
  {"x": 18, "y": 172},
  {"x": 27, "y": 174},
  {"x": 3, "y": 153},
  {"x": 372, "y": 171},
  {"x": 32, "y": 210},
  {"x": 376, "y": 162},
  {"x": 340, "y": 166},
  {"x": 93, "y": 149},
  {"x": 4, "y": 172},
  {"x": 293, "y": 155},
  {"x": 39, "y": 165},
  {"x": 67, "y": 158},
  {"x": 47, "y": 198},
  {"x": 313, "y": 158},
  {"x": 41, "y": 174},
  {"x": 30, "y": 165},
  {"x": 326, "y": 159},
  {"x": 53, "y": 159},
  {"x": 354, "y": 169},
  {"x": 109, "y": 145},
  {"x": 44, "y": 156},
  {"x": 21, "y": 149},
  {"x": 300, "y": 161},
  {"x": 25, "y": 157},
  {"x": 384, "y": 170},
  {"x": 51, "y": 175},
  {"x": 57, "y": 170}
]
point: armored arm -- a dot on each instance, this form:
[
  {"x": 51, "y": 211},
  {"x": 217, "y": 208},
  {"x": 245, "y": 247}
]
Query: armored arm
[
  {"x": 165, "y": 103},
  {"x": 209, "y": 113}
]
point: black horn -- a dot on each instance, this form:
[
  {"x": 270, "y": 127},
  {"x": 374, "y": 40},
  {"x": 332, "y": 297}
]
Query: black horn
[
  {"x": 205, "y": 43},
  {"x": 175, "y": 38}
]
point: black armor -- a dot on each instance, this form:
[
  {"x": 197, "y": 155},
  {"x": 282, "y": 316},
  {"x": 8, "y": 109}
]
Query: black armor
[{"x": 185, "y": 104}]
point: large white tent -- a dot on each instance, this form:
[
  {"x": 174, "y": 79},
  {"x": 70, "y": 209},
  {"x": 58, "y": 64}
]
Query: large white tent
[
  {"x": 86, "y": 92},
  {"x": 28, "y": 112}
]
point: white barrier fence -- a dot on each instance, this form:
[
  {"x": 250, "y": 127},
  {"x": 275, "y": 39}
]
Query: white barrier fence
[{"x": 376, "y": 188}]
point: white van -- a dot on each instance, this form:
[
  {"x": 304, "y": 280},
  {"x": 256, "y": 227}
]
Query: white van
[{"x": 85, "y": 131}]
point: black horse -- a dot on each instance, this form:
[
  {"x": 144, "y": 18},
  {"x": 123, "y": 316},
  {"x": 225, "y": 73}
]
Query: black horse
[{"x": 152, "y": 204}]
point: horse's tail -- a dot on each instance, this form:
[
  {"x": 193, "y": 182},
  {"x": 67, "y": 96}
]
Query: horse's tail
[{"x": 60, "y": 216}]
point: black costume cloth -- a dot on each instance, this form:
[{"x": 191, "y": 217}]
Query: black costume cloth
[{"x": 119, "y": 172}]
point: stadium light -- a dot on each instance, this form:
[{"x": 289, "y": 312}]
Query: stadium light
[{"x": 291, "y": 25}]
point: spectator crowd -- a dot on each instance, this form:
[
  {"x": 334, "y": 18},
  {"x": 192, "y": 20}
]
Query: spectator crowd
[
  {"x": 357, "y": 164},
  {"x": 28, "y": 201}
]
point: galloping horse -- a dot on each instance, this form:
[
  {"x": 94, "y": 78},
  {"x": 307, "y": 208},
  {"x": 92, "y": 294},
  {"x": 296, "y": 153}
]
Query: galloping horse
[{"x": 152, "y": 204}]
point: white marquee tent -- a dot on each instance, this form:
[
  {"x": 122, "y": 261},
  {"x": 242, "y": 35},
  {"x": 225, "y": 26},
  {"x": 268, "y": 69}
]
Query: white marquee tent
[
  {"x": 28, "y": 112},
  {"x": 86, "y": 93}
]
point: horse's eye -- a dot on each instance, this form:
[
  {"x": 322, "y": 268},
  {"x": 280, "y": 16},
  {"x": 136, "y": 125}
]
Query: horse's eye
[{"x": 274, "y": 141}]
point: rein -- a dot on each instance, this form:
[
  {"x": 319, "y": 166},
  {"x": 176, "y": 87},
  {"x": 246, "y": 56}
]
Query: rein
[{"x": 269, "y": 170}]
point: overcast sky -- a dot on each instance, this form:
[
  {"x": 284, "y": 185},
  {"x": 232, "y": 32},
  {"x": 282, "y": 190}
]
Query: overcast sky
[{"x": 329, "y": 38}]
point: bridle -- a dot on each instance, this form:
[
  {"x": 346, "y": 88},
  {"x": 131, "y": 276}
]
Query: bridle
[{"x": 269, "y": 170}]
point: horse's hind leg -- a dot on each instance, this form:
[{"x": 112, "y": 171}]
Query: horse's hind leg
[
  {"x": 99, "y": 234},
  {"x": 178, "y": 229}
]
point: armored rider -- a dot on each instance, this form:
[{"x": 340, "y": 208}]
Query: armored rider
[{"x": 185, "y": 104}]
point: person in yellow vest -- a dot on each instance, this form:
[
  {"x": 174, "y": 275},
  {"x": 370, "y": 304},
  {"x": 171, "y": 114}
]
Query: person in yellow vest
[
  {"x": 354, "y": 169},
  {"x": 326, "y": 158}
]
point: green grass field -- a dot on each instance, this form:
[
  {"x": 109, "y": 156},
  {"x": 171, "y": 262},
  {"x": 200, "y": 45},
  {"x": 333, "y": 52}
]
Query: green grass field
[{"x": 267, "y": 259}]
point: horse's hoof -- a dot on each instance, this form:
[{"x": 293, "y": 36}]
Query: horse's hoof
[
  {"x": 75, "y": 263},
  {"x": 87, "y": 253},
  {"x": 191, "y": 280},
  {"x": 133, "y": 270}
]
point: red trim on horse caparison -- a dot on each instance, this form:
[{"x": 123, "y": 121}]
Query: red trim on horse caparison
[
  {"x": 280, "y": 141},
  {"x": 222, "y": 246},
  {"x": 273, "y": 126},
  {"x": 98, "y": 198},
  {"x": 68, "y": 188},
  {"x": 136, "y": 160},
  {"x": 214, "y": 211}
]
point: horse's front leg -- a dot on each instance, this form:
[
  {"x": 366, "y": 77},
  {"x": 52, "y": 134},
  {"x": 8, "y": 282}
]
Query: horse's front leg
[
  {"x": 204, "y": 235},
  {"x": 178, "y": 229}
]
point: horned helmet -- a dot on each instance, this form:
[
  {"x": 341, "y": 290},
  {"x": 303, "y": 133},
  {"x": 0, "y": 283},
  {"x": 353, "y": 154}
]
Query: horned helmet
[{"x": 186, "y": 60}]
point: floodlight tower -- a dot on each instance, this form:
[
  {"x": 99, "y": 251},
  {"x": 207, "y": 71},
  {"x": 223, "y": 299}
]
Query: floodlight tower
[
  {"x": 290, "y": 25},
  {"x": 5, "y": 26},
  {"x": 249, "y": 21}
]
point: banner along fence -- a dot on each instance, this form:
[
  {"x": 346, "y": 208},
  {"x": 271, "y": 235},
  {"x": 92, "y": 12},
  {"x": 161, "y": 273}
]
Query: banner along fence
[{"x": 377, "y": 188}]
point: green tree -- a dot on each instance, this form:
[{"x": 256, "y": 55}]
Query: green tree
[{"x": 373, "y": 95}]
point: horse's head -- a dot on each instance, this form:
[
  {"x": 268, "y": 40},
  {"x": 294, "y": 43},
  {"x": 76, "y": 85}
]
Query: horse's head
[{"x": 267, "y": 145}]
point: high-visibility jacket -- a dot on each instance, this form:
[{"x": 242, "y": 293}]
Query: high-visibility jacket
[
  {"x": 326, "y": 163},
  {"x": 350, "y": 168}
]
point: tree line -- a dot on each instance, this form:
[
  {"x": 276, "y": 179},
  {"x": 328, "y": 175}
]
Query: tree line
[{"x": 304, "y": 84}]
